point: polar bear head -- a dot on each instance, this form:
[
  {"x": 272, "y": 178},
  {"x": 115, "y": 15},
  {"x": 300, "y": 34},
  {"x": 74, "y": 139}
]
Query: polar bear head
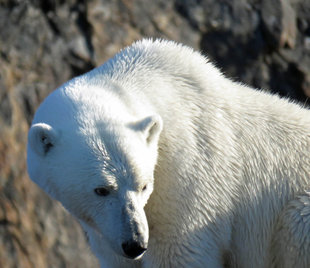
[{"x": 87, "y": 151}]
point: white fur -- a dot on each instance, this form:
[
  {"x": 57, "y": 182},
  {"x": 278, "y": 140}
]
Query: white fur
[{"x": 229, "y": 164}]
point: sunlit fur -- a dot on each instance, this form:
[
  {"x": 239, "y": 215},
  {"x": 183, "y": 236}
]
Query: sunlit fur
[{"x": 230, "y": 165}]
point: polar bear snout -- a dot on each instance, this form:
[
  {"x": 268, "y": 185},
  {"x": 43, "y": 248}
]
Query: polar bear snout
[
  {"x": 133, "y": 249},
  {"x": 136, "y": 231}
]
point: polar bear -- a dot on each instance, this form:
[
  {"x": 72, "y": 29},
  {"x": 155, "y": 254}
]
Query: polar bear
[{"x": 165, "y": 162}]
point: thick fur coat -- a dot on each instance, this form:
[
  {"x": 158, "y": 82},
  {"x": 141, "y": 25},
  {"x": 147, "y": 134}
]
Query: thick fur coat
[{"x": 167, "y": 163}]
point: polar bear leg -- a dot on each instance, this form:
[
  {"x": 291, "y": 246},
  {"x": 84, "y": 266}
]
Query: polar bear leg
[{"x": 291, "y": 241}]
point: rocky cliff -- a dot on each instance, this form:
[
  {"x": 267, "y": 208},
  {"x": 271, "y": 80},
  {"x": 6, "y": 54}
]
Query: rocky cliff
[{"x": 44, "y": 43}]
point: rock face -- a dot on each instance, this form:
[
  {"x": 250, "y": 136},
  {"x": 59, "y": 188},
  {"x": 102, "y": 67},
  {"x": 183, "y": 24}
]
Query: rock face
[{"x": 44, "y": 43}]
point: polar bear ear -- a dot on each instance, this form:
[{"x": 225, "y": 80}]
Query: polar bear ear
[
  {"x": 42, "y": 138},
  {"x": 150, "y": 127}
]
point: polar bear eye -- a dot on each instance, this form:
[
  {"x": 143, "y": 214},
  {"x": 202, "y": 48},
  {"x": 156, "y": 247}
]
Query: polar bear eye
[
  {"x": 101, "y": 191},
  {"x": 144, "y": 187}
]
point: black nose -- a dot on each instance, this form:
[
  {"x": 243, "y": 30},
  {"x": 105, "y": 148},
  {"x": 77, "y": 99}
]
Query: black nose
[{"x": 133, "y": 249}]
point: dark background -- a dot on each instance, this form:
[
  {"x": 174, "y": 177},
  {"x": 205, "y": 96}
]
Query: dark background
[{"x": 44, "y": 43}]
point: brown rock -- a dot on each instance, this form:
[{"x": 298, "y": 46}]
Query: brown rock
[{"x": 279, "y": 20}]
